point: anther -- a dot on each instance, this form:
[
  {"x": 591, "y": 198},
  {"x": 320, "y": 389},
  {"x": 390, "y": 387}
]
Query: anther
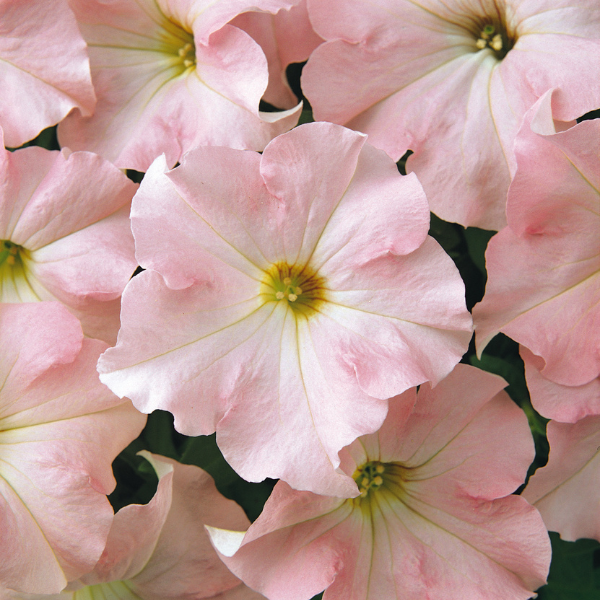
[
  {"x": 280, "y": 295},
  {"x": 496, "y": 42},
  {"x": 292, "y": 297},
  {"x": 297, "y": 291},
  {"x": 287, "y": 281}
]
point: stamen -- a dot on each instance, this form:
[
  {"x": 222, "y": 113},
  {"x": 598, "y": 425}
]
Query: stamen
[
  {"x": 292, "y": 297},
  {"x": 280, "y": 295},
  {"x": 297, "y": 291},
  {"x": 481, "y": 44},
  {"x": 287, "y": 281},
  {"x": 496, "y": 42}
]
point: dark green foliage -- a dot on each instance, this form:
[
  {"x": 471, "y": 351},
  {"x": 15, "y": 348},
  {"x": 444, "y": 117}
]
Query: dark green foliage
[
  {"x": 575, "y": 571},
  {"x": 46, "y": 139}
]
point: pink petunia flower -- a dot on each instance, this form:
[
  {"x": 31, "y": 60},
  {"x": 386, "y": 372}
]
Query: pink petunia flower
[
  {"x": 567, "y": 490},
  {"x": 433, "y": 518},
  {"x": 65, "y": 234},
  {"x": 44, "y": 68},
  {"x": 543, "y": 287},
  {"x": 170, "y": 75},
  {"x": 287, "y": 297},
  {"x": 161, "y": 550},
  {"x": 60, "y": 430},
  {"x": 451, "y": 80},
  {"x": 286, "y": 37}
]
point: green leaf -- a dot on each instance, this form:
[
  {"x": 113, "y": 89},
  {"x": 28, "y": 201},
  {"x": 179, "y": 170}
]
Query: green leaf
[
  {"x": 477, "y": 241},
  {"x": 573, "y": 575},
  {"x": 306, "y": 117},
  {"x": 159, "y": 435}
]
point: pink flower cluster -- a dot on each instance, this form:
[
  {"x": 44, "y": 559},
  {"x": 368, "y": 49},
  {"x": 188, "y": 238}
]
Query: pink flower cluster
[{"x": 289, "y": 298}]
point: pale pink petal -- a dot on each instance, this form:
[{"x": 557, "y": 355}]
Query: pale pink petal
[
  {"x": 184, "y": 563},
  {"x": 411, "y": 76},
  {"x": 286, "y": 37},
  {"x": 58, "y": 439},
  {"x": 186, "y": 220},
  {"x": 163, "y": 86},
  {"x": 133, "y": 536},
  {"x": 563, "y": 403},
  {"x": 308, "y": 170},
  {"x": 543, "y": 270},
  {"x": 69, "y": 212},
  {"x": 211, "y": 15},
  {"x": 61, "y": 472},
  {"x": 161, "y": 550},
  {"x": 566, "y": 490},
  {"x": 438, "y": 527},
  {"x": 44, "y": 68},
  {"x": 58, "y": 342},
  {"x": 395, "y": 302},
  {"x": 296, "y": 548}
]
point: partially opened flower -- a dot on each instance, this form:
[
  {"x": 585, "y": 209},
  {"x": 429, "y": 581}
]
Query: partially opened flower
[
  {"x": 287, "y": 296},
  {"x": 171, "y": 75},
  {"x": 285, "y": 37},
  {"x": 60, "y": 430},
  {"x": 543, "y": 287},
  {"x": 567, "y": 490},
  {"x": 451, "y": 80},
  {"x": 161, "y": 550},
  {"x": 563, "y": 403},
  {"x": 44, "y": 68},
  {"x": 433, "y": 518},
  {"x": 65, "y": 234}
]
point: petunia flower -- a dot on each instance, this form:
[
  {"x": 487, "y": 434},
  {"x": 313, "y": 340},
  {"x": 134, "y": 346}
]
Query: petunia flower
[
  {"x": 65, "y": 234},
  {"x": 287, "y": 296},
  {"x": 286, "y": 37},
  {"x": 170, "y": 75},
  {"x": 543, "y": 287},
  {"x": 563, "y": 403},
  {"x": 451, "y": 80},
  {"x": 60, "y": 430},
  {"x": 44, "y": 68},
  {"x": 433, "y": 518},
  {"x": 161, "y": 550},
  {"x": 567, "y": 490}
]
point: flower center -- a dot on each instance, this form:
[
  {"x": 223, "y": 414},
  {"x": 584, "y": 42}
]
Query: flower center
[
  {"x": 377, "y": 480},
  {"x": 300, "y": 287},
  {"x": 187, "y": 54},
  {"x": 14, "y": 283},
  {"x": 494, "y": 35},
  {"x": 369, "y": 477},
  {"x": 9, "y": 254}
]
